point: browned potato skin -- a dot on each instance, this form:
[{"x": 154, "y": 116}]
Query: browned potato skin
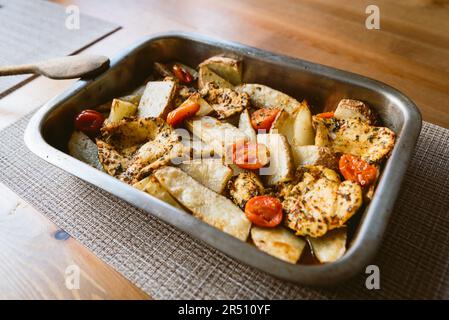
[
  {"x": 296, "y": 125},
  {"x": 206, "y": 76},
  {"x": 355, "y": 109},
  {"x": 315, "y": 155},
  {"x": 226, "y": 67}
]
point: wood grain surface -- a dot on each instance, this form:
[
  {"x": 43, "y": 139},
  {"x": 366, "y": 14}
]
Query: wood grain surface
[
  {"x": 36, "y": 258},
  {"x": 410, "y": 51}
]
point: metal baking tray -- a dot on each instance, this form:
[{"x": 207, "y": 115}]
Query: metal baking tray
[{"x": 49, "y": 130}]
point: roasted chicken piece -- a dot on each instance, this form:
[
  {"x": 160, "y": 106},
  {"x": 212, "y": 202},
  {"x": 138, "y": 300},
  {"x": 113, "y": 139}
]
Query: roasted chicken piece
[
  {"x": 226, "y": 102},
  {"x": 243, "y": 187},
  {"x": 132, "y": 148},
  {"x": 317, "y": 201},
  {"x": 355, "y": 137}
]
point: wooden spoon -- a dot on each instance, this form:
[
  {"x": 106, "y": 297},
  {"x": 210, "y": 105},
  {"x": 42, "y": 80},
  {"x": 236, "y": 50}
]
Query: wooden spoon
[{"x": 78, "y": 66}]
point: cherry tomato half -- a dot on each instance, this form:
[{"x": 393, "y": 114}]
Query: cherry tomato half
[
  {"x": 325, "y": 115},
  {"x": 262, "y": 119},
  {"x": 356, "y": 169},
  {"x": 182, "y": 74},
  {"x": 184, "y": 111},
  {"x": 264, "y": 211},
  {"x": 89, "y": 122},
  {"x": 250, "y": 155}
]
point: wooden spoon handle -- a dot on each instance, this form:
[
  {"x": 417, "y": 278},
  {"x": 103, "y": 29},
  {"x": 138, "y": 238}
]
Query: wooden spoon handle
[
  {"x": 17, "y": 69},
  {"x": 69, "y": 67}
]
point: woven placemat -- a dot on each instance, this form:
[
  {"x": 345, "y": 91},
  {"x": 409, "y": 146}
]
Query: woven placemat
[{"x": 168, "y": 264}]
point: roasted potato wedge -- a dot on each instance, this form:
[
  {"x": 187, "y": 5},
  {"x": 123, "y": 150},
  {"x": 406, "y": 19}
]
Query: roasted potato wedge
[
  {"x": 205, "y": 108},
  {"x": 262, "y": 96},
  {"x": 215, "y": 133},
  {"x": 157, "y": 99},
  {"x": 246, "y": 126},
  {"x": 82, "y": 148},
  {"x": 205, "y": 76},
  {"x": 314, "y": 155},
  {"x": 121, "y": 109},
  {"x": 204, "y": 203},
  {"x": 281, "y": 162},
  {"x": 227, "y": 68},
  {"x": 211, "y": 173},
  {"x": 304, "y": 134},
  {"x": 284, "y": 124},
  {"x": 278, "y": 242},
  {"x": 330, "y": 247},
  {"x": 295, "y": 125},
  {"x": 152, "y": 186},
  {"x": 355, "y": 109}
]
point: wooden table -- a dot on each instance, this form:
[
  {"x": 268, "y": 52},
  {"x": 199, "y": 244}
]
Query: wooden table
[{"x": 409, "y": 52}]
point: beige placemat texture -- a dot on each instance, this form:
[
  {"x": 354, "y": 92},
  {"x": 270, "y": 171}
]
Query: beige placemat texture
[
  {"x": 34, "y": 30},
  {"x": 166, "y": 263}
]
